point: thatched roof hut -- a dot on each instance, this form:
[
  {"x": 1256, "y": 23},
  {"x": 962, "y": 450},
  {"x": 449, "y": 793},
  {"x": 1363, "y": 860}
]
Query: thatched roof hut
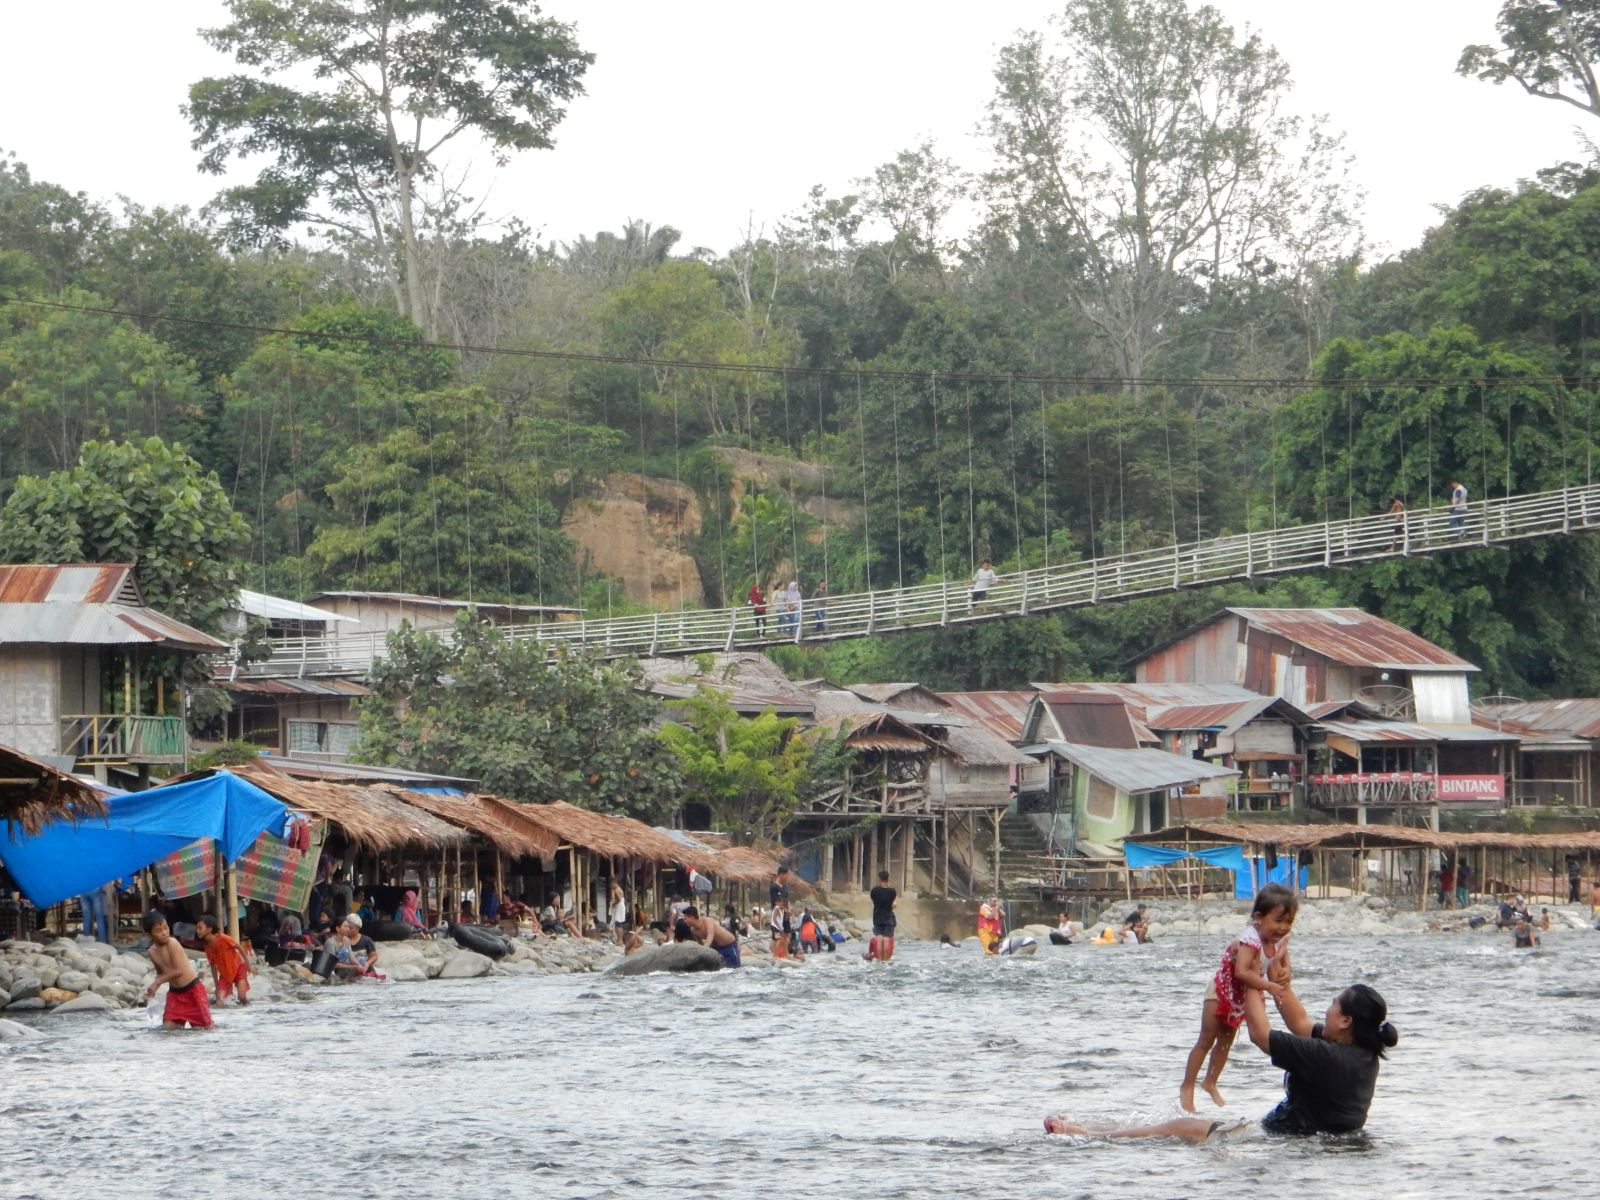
[
  {"x": 496, "y": 821},
  {"x": 371, "y": 817},
  {"x": 614, "y": 837},
  {"x": 33, "y": 793}
]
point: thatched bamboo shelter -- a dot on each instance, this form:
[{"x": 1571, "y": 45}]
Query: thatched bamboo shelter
[
  {"x": 33, "y": 793},
  {"x": 370, "y": 817}
]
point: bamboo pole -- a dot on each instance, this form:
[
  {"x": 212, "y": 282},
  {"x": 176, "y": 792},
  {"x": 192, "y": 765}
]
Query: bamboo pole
[{"x": 230, "y": 891}]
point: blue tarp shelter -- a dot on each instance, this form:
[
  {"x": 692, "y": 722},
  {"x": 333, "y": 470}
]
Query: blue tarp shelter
[
  {"x": 140, "y": 828},
  {"x": 1249, "y": 874}
]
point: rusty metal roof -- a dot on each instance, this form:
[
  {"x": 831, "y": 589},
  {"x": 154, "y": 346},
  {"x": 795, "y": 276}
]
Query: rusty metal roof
[
  {"x": 1355, "y": 637},
  {"x": 294, "y": 687},
  {"x": 1579, "y": 717},
  {"x": 1351, "y": 636},
  {"x": 69, "y": 583},
  {"x": 1406, "y": 731},
  {"x": 1002, "y": 713},
  {"x": 1091, "y": 720},
  {"x": 66, "y": 623}
]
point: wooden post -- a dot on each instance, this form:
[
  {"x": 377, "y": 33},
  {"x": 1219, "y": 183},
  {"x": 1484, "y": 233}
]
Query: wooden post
[
  {"x": 995, "y": 813},
  {"x": 1422, "y": 883},
  {"x": 947, "y": 855},
  {"x": 230, "y": 892}
]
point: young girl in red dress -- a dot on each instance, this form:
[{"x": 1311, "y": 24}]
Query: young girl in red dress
[{"x": 1250, "y": 961}]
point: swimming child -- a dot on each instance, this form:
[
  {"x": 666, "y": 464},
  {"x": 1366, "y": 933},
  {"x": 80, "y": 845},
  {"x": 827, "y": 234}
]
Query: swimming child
[
  {"x": 228, "y": 968},
  {"x": 1252, "y": 960},
  {"x": 186, "y": 996}
]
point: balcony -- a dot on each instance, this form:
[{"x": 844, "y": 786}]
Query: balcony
[
  {"x": 1404, "y": 789},
  {"x": 122, "y": 738}
]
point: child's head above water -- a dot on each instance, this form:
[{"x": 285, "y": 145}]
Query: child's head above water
[{"x": 1274, "y": 910}]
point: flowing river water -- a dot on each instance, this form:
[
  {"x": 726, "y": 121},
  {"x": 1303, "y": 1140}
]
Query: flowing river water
[{"x": 925, "y": 1078}]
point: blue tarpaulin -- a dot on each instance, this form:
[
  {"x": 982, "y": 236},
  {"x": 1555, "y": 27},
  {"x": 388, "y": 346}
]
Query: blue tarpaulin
[
  {"x": 1249, "y": 874},
  {"x": 1229, "y": 858},
  {"x": 67, "y": 860}
]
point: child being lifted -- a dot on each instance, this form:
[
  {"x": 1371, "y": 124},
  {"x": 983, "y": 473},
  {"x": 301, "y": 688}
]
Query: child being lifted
[{"x": 1257, "y": 958}]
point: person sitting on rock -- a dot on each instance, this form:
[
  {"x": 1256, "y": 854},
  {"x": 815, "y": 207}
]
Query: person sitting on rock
[{"x": 354, "y": 953}]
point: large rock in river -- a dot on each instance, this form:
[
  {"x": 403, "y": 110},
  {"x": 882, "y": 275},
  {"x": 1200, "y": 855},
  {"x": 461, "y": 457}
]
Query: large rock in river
[
  {"x": 465, "y": 965},
  {"x": 88, "y": 1002},
  {"x": 677, "y": 956}
]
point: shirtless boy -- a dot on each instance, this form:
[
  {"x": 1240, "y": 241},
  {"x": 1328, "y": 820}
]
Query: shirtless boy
[
  {"x": 186, "y": 995},
  {"x": 709, "y": 931}
]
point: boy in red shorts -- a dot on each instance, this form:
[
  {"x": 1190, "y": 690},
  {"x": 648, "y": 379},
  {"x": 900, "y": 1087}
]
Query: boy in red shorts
[
  {"x": 186, "y": 996},
  {"x": 228, "y": 968}
]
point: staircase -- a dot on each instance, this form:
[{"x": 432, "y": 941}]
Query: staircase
[{"x": 1023, "y": 851}]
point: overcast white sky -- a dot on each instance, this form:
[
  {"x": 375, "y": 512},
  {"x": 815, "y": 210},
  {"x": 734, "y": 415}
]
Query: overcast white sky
[{"x": 701, "y": 115}]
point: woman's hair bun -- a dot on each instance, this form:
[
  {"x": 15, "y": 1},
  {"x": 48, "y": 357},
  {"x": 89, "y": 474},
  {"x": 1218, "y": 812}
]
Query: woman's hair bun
[{"x": 1388, "y": 1034}]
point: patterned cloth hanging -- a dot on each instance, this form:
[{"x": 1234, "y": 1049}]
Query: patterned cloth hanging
[{"x": 189, "y": 871}]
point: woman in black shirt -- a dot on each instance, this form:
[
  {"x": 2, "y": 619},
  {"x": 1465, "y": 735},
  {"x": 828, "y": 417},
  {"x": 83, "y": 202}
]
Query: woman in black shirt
[{"x": 1330, "y": 1068}]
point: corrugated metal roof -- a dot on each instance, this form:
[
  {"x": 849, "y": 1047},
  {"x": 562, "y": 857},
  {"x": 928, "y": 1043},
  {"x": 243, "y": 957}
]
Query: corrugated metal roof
[
  {"x": 69, "y": 583},
  {"x": 743, "y": 700},
  {"x": 1001, "y": 713},
  {"x": 69, "y": 623},
  {"x": 1346, "y": 635},
  {"x": 1225, "y": 718},
  {"x": 888, "y": 693},
  {"x": 1406, "y": 731},
  {"x": 1580, "y": 717},
  {"x": 1355, "y": 637},
  {"x": 276, "y": 608},
  {"x": 1139, "y": 770},
  {"x": 293, "y": 687},
  {"x": 1158, "y": 695},
  {"x": 1091, "y": 720}
]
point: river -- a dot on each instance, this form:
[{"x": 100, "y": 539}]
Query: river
[{"x": 925, "y": 1078}]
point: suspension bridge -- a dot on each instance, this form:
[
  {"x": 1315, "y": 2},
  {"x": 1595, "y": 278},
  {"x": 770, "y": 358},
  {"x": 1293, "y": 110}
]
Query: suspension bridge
[{"x": 1240, "y": 557}]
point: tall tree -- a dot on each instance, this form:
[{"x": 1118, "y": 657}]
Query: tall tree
[
  {"x": 398, "y": 81},
  {"x": 1549, "y": 47},
  {"x": 754, "y": 773},
  {"x": 526, "y": 727},
  {"x": 1151, "y": 155}
]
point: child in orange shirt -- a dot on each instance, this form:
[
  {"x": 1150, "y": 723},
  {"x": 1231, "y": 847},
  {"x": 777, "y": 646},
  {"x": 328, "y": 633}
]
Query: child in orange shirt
[{"x": 228, "y": 968}]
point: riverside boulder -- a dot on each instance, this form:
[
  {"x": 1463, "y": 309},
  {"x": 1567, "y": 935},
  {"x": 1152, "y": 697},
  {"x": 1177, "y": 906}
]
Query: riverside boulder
[{"x": 677, "y": 957}]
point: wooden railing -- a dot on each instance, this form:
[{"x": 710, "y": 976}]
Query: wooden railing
[
  {"x": 1285, "y": 551},
  {"x": 122, "y": 737}
]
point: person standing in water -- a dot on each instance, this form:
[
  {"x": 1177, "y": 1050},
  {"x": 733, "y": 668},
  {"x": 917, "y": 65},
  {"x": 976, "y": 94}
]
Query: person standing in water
[
  {"x": 881, "y": 947},
  {"x": 186, "y": 995},
  {"x": 1330, "y": 1066},
  {"x": 1246, "y": 965}
]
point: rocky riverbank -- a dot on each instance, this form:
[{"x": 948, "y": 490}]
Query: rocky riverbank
[{"x": 66, "y": 976}]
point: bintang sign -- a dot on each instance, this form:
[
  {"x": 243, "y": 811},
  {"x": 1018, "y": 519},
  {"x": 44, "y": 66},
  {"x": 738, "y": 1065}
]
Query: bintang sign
[{"x": 1396, "y": 789}]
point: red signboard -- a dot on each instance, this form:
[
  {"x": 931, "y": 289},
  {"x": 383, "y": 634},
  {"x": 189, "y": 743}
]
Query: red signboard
[{"x": 1455, "y": 789}]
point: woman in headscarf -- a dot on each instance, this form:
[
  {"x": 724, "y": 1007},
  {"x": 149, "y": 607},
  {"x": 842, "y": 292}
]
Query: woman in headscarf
[{"x": 407, "y": 913}]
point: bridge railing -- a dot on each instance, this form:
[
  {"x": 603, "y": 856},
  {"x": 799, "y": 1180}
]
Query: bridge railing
[{"x": 1284, "y": 550}]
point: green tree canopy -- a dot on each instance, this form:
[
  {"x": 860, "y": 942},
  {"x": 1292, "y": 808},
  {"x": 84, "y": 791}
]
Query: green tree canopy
[
  {"x": 143, "y": 503},
  {"x": 1549, "y": 47},
  {"x": 397, "y": 82},
  {"x": 528, "y": 728},
  {"x": 754, "y": 773}
]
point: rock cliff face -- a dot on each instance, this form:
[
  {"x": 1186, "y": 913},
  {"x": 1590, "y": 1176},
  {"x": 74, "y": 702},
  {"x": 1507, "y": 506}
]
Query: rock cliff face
[
  {"x": 641, "y": 530},
  {"x": 638, "y": 530}
]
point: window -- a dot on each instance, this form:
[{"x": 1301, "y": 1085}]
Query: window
[{"x": 322, "y": 737}]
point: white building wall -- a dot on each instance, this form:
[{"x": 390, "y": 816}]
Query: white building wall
[
  {"x": 30, "y": 682},
  {"x": 1441, "y": 698}
]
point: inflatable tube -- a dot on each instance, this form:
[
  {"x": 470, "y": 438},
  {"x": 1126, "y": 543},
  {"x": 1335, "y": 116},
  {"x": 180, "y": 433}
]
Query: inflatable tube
[
  {"x": 485, "y": 941},
  {"x": 1057, "y": 938},
  {"x": 675, "y": 956},
  {"x": 387, "y": 931},
  {"x": 1018, "y": 943}
]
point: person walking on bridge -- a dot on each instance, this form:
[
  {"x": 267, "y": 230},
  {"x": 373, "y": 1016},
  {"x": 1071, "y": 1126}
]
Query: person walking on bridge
[{"x": 1458, "y": 508}]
